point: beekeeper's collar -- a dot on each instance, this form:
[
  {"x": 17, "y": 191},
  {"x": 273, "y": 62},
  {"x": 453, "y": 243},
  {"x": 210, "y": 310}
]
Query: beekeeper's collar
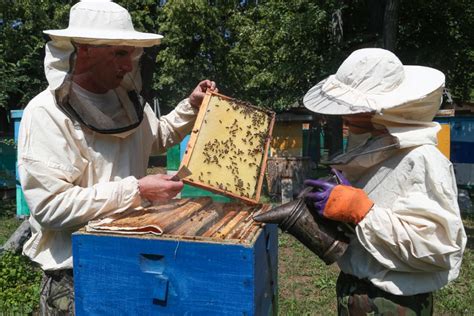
[{"x": 99, "y": 23}]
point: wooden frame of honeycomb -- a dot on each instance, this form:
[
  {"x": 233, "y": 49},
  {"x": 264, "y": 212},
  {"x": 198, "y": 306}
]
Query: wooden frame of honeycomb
[{"x": 227, "y": 149}]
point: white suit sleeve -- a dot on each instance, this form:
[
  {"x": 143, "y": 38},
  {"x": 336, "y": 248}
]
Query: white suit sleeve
[
  {"x": 421, "y": 229},
  {"x": 49, "y": 163},
  {"x": 173, "y": 127}
]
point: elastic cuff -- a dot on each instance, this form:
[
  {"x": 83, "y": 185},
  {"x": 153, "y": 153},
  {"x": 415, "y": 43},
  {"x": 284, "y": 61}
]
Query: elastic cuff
[
  {"x": 131, "y": 192},
  {"x": 187, "y": 107}
]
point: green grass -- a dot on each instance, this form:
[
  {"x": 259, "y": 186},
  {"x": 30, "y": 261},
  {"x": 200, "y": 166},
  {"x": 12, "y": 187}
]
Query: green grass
[
  {"x": 457, "y": 298},
  {"x": 306, "y": 284},
  {"x": 8, "y": 221}
]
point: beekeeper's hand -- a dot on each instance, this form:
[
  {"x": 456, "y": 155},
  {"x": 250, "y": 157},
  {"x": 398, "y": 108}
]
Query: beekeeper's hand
[
  {"x": 159, "y": 187},
  {"x": 196, "y": 97},
  {"x": 340, "y": 202}
]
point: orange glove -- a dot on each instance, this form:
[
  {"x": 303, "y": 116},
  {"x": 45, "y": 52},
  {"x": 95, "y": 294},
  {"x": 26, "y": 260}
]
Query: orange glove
[
  {"x": 339, "y": 202},
  {"x": 347, "y": 204}
]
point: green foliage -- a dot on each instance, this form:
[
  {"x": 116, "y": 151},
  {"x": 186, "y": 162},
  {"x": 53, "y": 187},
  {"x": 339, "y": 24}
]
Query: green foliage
[
  {"x": 7, "y": 208},
  {"x": 19, "y": 279},
  {"x": 194, "y": 48},
  {"x": 9, "y": 223},
  {"x": 435, "y": 33},
  {"x": 19, "y": 284},
  {"x": 281, "y": 49},
  {"x": 267, "y": 52},
  {"x": 439, "y": 34},
  {"x": 22, "y": 47},
  {"x": 8, "y": 142}
]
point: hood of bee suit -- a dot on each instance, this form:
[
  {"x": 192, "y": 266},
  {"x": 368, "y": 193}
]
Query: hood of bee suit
[
  {"x": 116, "y": 108},
  {"x": 412, "y": 124},
  {"x": 403, "y": 99}
]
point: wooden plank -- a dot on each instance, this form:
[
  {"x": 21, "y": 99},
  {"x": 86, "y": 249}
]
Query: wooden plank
[
  {"x": 249, "y": 234},
  {"x": 227, "y": 228},
  {"x": 173, "y": 219},
  {"x": 197, "y": 127},
  {"x": 200, "y": 221},
  {"x": 224, "y": 220},
  {"x": 247, "y": 224},
  {"x": 241, "y": 227},
  {"x": 192, "y": 219},
  {"x": 264, "y": 162}
]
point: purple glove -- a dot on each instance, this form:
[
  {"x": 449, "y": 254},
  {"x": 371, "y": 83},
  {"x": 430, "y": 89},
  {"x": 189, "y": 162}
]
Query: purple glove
[
  {"x": 318, "y": 197},
  {"x": 340, "y": 178}
]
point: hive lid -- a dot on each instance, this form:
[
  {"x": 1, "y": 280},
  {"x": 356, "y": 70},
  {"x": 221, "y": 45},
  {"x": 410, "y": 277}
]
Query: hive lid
[{"x": 227, "y": 149}]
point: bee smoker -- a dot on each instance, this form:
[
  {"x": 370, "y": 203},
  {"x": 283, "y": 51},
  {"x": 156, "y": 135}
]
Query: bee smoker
[{"x": 322, "y": 236}]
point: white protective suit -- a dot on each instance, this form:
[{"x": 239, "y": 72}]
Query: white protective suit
[
  {"x": 412, "y": 239},
  {"x": 71, "y": 174}
]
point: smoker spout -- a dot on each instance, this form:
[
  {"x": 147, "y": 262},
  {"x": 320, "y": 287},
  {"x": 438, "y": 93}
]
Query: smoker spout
[{"x": 277, "y": 215}]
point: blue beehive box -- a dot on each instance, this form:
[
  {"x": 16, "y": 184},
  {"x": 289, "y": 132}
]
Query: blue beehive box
[
  {"x": 462, "y": 147},
  {"x": 226, "y": 266},
  {"x": 462, "y": 138}
]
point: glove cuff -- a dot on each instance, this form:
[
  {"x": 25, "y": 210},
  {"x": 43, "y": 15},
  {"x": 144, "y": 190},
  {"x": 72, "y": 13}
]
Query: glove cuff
[{"x": 347, "y": 204}]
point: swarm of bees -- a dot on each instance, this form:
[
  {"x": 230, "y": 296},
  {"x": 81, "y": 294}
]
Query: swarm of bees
[{"x": 230, "y": 147}]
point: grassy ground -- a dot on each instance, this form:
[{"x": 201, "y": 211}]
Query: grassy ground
[
  {"x": 8, "y": 221},
  {"x": 306, "y": 284}
]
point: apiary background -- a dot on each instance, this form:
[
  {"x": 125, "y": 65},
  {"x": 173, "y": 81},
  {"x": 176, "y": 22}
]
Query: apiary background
[
  {"x": 212, "y": 259},
  {"x": 228, "y": 147}
]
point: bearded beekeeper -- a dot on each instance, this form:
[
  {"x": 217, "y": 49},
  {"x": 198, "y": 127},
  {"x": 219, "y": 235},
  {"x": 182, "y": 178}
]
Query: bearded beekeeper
[
  {"x": 399, "y": 190},
  {"x": 85, "y": 141}
]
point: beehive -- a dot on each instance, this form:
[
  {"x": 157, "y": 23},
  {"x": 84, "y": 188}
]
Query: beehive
[
  {"x": 228, "y": 147},
  {"x": 212, "y": 259}
]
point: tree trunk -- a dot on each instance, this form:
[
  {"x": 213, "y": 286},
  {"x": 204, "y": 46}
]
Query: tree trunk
[
  {"x": 376, "y": 10},
  {"x": 390, "y": 27}
]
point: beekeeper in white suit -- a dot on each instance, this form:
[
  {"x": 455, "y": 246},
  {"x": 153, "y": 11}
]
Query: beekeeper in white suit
[
  {"x": 400, "y": 191},
  {"x": 85, "y": 141}
]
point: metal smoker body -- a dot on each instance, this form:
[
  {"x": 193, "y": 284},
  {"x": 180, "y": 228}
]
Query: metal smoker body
[{"x": 322, "y": 236}]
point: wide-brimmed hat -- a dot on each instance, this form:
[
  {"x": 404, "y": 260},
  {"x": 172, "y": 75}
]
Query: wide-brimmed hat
[
  {"x": 369, "y": 81},
  {"x": 103, "y": 21}
]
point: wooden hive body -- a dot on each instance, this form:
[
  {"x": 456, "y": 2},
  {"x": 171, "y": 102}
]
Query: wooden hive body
[{"x": 212, "y": 259}]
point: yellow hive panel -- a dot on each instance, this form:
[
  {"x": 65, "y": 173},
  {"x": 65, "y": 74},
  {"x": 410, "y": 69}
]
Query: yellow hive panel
[{"x": 227, "y": 149}]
